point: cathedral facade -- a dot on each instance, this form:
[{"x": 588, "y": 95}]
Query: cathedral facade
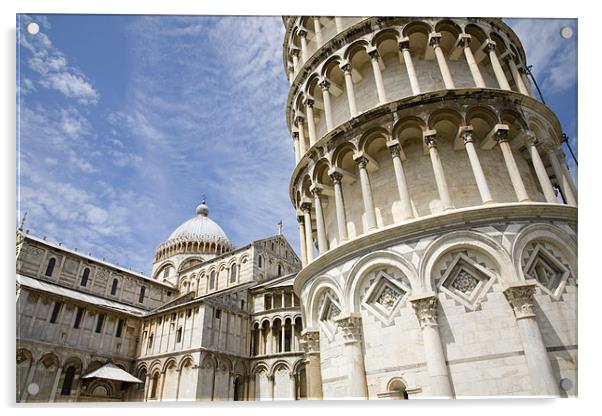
[{"x": 438, "y": 229}]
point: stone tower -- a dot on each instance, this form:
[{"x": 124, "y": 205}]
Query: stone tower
[{"x": 437, "y": 216}]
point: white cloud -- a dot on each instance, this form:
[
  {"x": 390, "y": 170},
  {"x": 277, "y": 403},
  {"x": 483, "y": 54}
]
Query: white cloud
[
  {"x": 554, "y": 58},
  {"x": 54, "y": 69}
]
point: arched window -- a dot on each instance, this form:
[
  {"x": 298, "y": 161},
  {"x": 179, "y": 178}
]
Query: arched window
[
  {"x": 141, "y": 297},
  {"x": 233, "y": 273},
  {"x": 154, "y": 383},
  {"x": 166, "y": 272},
  {"x": 50, "y": 267},
  {"x": 114, "y": 286},
  {"x": 279, "y": 270},
  {"x": 68, "y": 381},
  {"x": 85, "y": 276},
  {"x": 260, "y": 262},
  {"x": 212, "y": 279}
]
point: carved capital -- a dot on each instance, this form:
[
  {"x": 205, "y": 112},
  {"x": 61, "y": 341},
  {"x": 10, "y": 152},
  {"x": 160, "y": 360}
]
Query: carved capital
[
  {"x": 395, "y": 150},
  {"x": 431, "y": 141},
  {"x": 299, "y": 120},
  {"x": 308, "y": 102},
  {"x": 346, "y": 67},
  {"x": 316, "y": 192},
  {"x": 467, "y": 136},
  {"x": 310, "y": 342},
  {"x": 426, "y": 310},
  {"x": 520, "y": 298},
  {"x": 336, "y": 177},
  {"x": 324, "y": 85},
  {"x": 302, "y": 33},
  {"x": 351, "y": 327},
  {"x": 464, "y": 40},
  {"x": 362, "y": 162},
  {"x": 305, "y": 207},
  {"x": 490, "y": 45},
  {"x": 404, "y": 44},
  {"x": 501, "y": 135},
  {"x": 435, "y": 39},
  {"x": 530, "y": 139},
  {"x": 296, "y": 135},
  {"x": 373, "y": 53},
  {"x": 295, "y": 52}
]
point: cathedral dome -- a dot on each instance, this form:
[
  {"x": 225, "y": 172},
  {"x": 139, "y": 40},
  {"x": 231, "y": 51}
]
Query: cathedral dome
[
  {"x": 199, "y": 234},
  {"x": 201, "y": 228}
]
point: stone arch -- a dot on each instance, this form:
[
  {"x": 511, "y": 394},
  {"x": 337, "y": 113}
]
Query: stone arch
[
  {"x": 458, "y": 240},
  {"x": 372, "y": 134},
  {"x": 260, "y": 366},
  {"x": 482, "y": 119},
  {"x": 549, "y": 233},
  {"x": 313, "y": 295},
  {"x": 169, "y": 363},
  {"x": 155, "y": 366},
  {"x": 190, "y": 261},
  {"x": 409, "y": 128},
  {"x": 278, "y": 364},
  {"x": 399, "y": 386},
  {"x": 161, "y": 268},
  {"x": 449, "y": 31},
  {"x": 319, "y": 172},
  {"x": 24, "y": 364},
  {"x": 446, "y": 122},
  {"x": 187, "y": 359},
  {"x": 342, "y": 157},
  {"x": 361, "y": 269},
  {"x": 354, "y": 48},
  {"x": 515, "y": 121}
]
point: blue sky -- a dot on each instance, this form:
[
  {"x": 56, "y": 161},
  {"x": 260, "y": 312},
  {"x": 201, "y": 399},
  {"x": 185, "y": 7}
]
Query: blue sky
[{"x": 125, "y": 121}]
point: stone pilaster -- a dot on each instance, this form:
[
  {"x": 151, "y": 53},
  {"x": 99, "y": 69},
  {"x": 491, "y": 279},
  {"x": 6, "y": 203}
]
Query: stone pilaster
[
  {"x": 310, "y": 343},
  {"x": 351, "y": 328}
]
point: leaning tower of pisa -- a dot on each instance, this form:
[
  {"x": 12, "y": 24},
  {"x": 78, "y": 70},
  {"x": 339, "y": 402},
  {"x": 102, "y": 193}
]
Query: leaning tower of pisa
[{"x": 437, "y": 216}]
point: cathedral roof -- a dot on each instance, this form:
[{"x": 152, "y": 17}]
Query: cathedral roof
[{"x": 201, "y": 228}]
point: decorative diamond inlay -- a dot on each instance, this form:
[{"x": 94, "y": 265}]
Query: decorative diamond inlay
[
  {"x": 547, "y": 270},
  {"x": 388, "y": 297},
  {"x": 328, "y": 311},
  {"x": 465, "y": 282},
  {"x": 384, "y": 296},
  {"x": 331, "y": 312}
]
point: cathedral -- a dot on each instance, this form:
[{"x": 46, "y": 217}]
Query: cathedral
[{"x": 438, "y": 245}]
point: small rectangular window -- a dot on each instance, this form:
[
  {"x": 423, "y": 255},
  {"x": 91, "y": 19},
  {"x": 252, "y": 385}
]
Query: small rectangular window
[
  {"x": 119, "y": 328},
  {"x": 179, "y": 335},
  {"x": 189, "y": 313},
  {"x": 141, "y": 297},
  {"x": 114, "y": 287},
  {"x": 99, "y": 322},
  {"x": 150, "y": 342},
  {"x": 173, "y": 316},
  {"x": 55, "y": 312},
  {"x": 78, "y": 317},
  {"x": 218, "y": 314}
]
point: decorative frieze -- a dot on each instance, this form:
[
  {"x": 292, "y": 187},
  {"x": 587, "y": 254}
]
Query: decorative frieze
[{"x": 310, "y": 342}]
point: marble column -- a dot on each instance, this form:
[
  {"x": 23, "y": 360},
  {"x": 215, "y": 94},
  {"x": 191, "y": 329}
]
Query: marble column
[
  {"x": 435, "y": 42},
  {"x": 339, "y": 203},
  {"x": 293, "y": 385},
  {"x": 299, "y": 121},
  {"x": 540, "y": 169},
  {"x": 431, "y": 141},
  {"x": 402, "y": 186},
  {"x": 523, "y": 75},
  {"x": 475, "y": 164},
  {"x": 518, "y": 79},
  {"x": 310, "y": 342},
  {"x": 346, "y": 68},
  {"x": 378, "y": 76},
  {"x": 426, "y": 312},
  {"x": 311, "y": 123},
  {"x": 30, "y": 375},
  {"x": 321, "y": 230},
  {"x": 296, "y": 146},
  {"x": 404, "y": 47},
  {"x": 362, "y": 161},
  {"x": 338, "y": 22},
  {"x": 472, "y": 64},
  {"x": 495, "y": 64},
  {"x": 309, "y": 241},
  {"x": 351, "y": 328},
  {"x": 295, "y": 55},
  {"x": 325, "y": 85},
  {"x": 561, "y": 177},
  {"x": 302, "y": 243},
  {"x": 318, "y": 30},
  {"x": 520, "y": 297},
  {"x": 303, "y": 37},
  {"x": 517, "y": 182},
  {"x": 55, "y": 384}
]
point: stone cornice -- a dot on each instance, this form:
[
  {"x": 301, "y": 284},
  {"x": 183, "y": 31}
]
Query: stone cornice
[
  {"x": 432, "y": 224},
  {"x": 431, "y": 97}
]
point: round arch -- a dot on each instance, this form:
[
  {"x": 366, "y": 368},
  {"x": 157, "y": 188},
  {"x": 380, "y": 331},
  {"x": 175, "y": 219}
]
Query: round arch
[{"x": 315, "y": 290}]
